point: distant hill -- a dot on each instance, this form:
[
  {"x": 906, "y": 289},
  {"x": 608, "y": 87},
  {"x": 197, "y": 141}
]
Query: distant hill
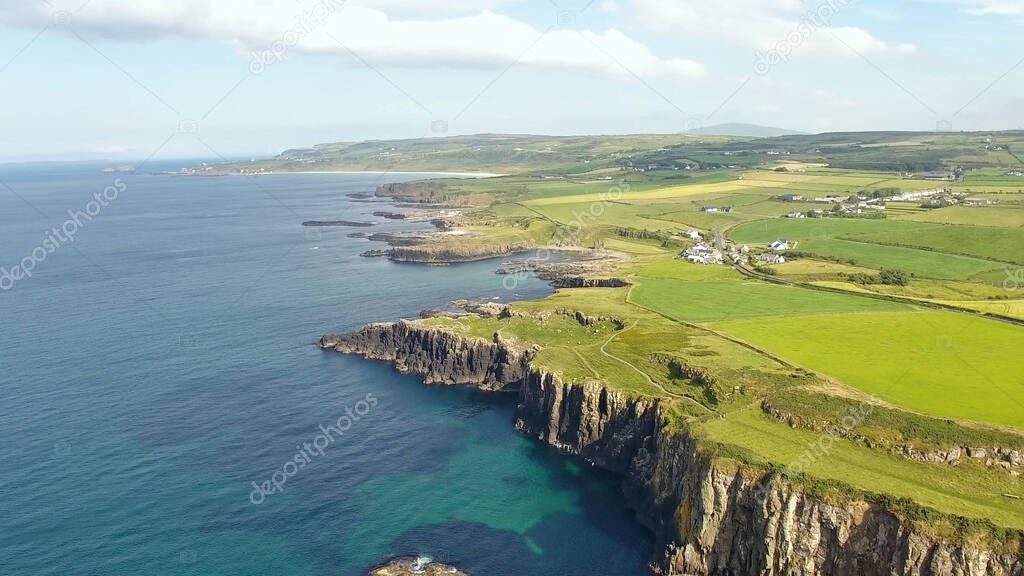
[
  {"x": 609, "y": 155},
  {"x": 740, "y": 130}
]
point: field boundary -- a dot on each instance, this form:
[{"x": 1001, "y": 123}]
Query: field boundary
[{"x": 887, "y": 297}]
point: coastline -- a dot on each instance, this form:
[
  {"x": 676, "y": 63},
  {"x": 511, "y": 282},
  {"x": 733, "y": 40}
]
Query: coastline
[
  {"x": 710, "y": 516},
  {"x": 413, "y": 172}
]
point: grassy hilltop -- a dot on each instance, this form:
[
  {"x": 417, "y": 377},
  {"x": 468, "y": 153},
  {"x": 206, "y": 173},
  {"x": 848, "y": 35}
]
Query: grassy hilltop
[
  {"x": 524, "y": 154},
  {"x": 905, "y": 309}
]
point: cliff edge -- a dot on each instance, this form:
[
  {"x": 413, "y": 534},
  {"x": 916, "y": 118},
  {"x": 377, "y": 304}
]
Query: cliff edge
[{"x": 710, "y": 516}]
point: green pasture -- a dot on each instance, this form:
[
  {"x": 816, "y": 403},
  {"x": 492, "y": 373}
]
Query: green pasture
[
  {"x": 970, "y": 491},
  {"x": 940, "y": 363},
  {"x": 720, "y": 300}
]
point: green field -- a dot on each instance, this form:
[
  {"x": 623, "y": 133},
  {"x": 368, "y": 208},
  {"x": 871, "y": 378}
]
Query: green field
[
  {"x": 872, "y": 243},
  {"x": 940, "y": 363},
  {"x": 970, "y": 492},
  {"x": 1010, "y": 217},
  {"x": 714, "y": 301}
]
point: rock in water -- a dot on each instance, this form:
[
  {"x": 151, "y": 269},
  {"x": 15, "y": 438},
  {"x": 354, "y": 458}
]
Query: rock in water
[{"x": 415, "y": 566}]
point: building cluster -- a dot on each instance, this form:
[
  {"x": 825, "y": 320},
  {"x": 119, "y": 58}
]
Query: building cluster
[
  {"x": 846, "y": 206},
  {"x": 720, "y": 252},
  {"x": 702, "y": 253},
  {"x": 725, "y": 252}
]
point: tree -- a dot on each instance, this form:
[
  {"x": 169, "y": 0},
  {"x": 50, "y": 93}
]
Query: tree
[{"x": 894, "y": 277}]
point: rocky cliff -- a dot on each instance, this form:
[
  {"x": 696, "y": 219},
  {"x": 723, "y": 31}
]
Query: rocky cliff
[
  {"x": 709, "y": 517},
  {"x": 452, "y": 252},
  {"x": 439, "y": 356}
]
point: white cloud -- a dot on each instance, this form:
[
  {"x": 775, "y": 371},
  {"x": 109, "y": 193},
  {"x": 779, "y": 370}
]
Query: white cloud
[
  {"x": 988, "y": 7},
  {"x": 482, "y": 39},
  {"x": 764, "y": 25},
  {"x": 419, "y": 7}
]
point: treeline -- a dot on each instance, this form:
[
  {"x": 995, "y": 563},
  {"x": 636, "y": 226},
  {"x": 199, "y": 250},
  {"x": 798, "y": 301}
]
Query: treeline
[{"x": 886, "y": 277}]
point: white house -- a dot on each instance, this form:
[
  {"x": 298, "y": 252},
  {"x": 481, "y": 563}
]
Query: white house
[
  {"x": 796, "y": 215},
  {"x": 772, "y": 258},
  {"x": 779, "y": 245},
  {"x": 692, "y": 234}
]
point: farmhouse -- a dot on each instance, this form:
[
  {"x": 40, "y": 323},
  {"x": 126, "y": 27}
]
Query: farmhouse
[
  {"x": 772, "y": 258},
  {"x": 715, "y": 209},
  {"x": 796, "y": 215},
  {"x": 937, "y": 175},
  {"x": 779, "y": 245},
  {"x": 703, "y": 254},
  {"x": 974, "y": 202},
  {"x": 692, "y": 234},
  {"x": 791, "y": 197},
  {"x": 913, "y": 196},
  {"x": 832, "y": 199}
]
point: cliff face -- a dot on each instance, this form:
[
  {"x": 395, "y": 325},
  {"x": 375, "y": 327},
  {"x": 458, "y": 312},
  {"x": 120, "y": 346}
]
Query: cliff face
[
  {"x": 439, "y": 356},
  {"x": 707, "y": 520},
  {"x": 421, "y": 192},
  {"x": 448, "y": 252}
]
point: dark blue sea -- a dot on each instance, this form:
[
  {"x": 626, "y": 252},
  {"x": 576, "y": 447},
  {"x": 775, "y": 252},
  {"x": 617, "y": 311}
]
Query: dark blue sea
[{"x": 161, "y": 362}]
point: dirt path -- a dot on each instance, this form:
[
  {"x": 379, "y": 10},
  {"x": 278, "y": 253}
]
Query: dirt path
[{"x": 644, "y": 374}]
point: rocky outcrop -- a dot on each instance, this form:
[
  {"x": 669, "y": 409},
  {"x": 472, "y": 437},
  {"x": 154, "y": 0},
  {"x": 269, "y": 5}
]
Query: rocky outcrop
[
  {"x": 438, "y": 355},
  {"x": 709, "y": 517},
  {"x": 726, "y": 520},
  {"x": 584, "y": 282},
  {"x": 420, "y": 192},
  {"x": 415, "y": 567},
  {"x": 579, "y": 269},
  {"x": 998, "y": 457},
  {"x": 451, "y": 252}
]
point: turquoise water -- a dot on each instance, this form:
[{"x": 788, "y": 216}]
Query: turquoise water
[{"x": 161, "y": 363}]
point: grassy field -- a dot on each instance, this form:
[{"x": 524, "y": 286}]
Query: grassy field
[
  {"x": 940, "y": 363},
  {"x": 871, "y": 243},
  {"x": 714, "y": 301},
  {"x": 1009, "y": 217},
  {"x": 971, "y": 491},
  {"x": 1009, "y": 308}
]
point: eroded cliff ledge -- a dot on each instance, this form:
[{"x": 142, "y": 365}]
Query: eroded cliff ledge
[{"x": 709, "y": 516}]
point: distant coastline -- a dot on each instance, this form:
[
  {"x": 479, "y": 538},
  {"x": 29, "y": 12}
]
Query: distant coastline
[{"x": 432, "y": 173}]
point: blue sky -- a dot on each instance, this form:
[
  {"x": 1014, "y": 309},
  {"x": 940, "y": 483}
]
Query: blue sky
[{"x": 127, "y": 79}]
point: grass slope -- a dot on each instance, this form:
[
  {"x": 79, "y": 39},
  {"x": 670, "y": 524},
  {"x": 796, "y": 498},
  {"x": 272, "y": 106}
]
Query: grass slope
[{"x": 940, "y": 363}]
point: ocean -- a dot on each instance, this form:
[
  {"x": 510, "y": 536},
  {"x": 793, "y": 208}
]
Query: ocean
[{"x": 158, "y": 366}]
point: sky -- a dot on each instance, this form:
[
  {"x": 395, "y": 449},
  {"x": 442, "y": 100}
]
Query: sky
[{"x": 137, "y": 79}]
